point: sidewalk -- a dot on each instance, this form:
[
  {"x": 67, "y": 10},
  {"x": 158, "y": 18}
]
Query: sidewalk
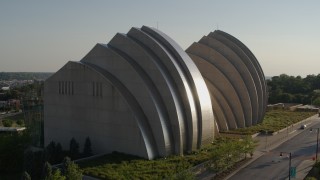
[
  {"x": 303, "y": 169},
  {"x": 270, "y": 142}
]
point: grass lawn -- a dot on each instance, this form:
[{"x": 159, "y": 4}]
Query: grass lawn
[
  {"x": 121, "y": 166},
  {"x": 275, "y": 120}
]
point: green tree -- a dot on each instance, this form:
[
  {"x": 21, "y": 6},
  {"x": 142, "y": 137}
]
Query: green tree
[
  {"x": 248, "y": 145},
  {"x": 47, "y": 171},
  {"x": 58, "y": 153},
  {"x": 7, "y": 122},
  {"x": 20, "y": 122},
  {"x": 12, "y": 148},
  {"x": 87, "y": 151},
  {"x": 25, "y": 176},
  {"x": 49, "y": 174},
  {"x": 74, "y": 149},
  {"x": 28, "y": 161},
  {"x": 71, "y": 170},
  {"x": 316, "y": 101},
  {"x": 57, "y": 175},
  {"x": 50, "y": 151}
]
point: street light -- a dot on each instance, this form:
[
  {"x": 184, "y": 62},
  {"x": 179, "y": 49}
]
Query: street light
[
  {"x": 317, "y": 142},
  {"x": 266, "y": 134},
  {"x": 281, "y": 154}
]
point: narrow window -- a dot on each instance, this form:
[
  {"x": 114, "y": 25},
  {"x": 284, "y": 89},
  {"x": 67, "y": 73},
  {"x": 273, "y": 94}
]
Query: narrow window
[
  {"x": 65, "y": 87},
  {"x": 93, "y": 89},
  {"x": 69, "y": 87},
  {"x": 62, "y": 87},
  {"x": 72, "y": 91},
  {"x": 100, "y": 89},
  {"x": 59, "y": 87},
  {"x": 97, "y": 89}
]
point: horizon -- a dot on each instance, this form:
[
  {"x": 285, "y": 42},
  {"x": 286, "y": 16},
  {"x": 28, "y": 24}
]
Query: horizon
[
  {"x": 266, "y": 76},
  {"x": 44, "y": 36}
]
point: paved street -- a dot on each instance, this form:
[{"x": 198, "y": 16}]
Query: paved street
[{"x": 301, "y": 143}]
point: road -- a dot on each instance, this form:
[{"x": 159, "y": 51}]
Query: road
[{"x": 272, "y": 166}]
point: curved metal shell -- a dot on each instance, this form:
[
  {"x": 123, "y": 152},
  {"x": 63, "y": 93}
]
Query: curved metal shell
[
  {"x": 159, "y": 79},
  {"x": 240, "y": 69}
]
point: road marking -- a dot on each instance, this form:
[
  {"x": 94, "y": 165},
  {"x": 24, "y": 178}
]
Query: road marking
[{"x": 292, "y": 131}]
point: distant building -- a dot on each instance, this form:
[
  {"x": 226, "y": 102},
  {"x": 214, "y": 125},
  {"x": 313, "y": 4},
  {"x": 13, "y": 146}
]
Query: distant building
[
  {"x": 6, "y": 88},
  {"x": 3, "y": 104},
  {"x": 14, "y": 103},
  {"x": 142, "y": 94}
]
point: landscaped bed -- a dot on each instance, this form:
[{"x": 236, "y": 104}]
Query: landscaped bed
[
  {"x": 121, "y": 166},
  {"x": 16, "y": 120},
  {"x": 273, "y": 121}
]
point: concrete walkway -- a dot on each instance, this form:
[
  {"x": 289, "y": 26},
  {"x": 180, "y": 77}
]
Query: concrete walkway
[{"x": 303, "y": 169}]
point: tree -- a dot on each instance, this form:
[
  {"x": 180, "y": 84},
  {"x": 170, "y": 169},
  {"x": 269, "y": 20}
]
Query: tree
[
  {"x": 58, "y": 153},
  {"x": 316, "y": 101},
  {"x": 52, "y": 175},
  {"x": 50, "y": 152},
  {"x": 248, "y": 145},
  {"x": 71, "y": 170},
  {"x": 87, "y": 151},
  {"x": 25, "y": 176},
  {"x": 12, "y": 148},
  {"x": 28, "y": 161},
  {"x": 74, "y": 149},
  {"x": 57, "y": 175},
  {"x": 7, "y": 122},
  {"x": 47, "y": 171}
]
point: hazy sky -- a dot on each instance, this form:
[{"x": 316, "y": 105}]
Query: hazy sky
[{"x": 42, "y": 35}]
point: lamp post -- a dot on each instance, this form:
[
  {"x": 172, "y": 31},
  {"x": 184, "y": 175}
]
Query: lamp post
[
  {"x": 281, "y": 154},
  {"x": 287, "y": 128},
  {"x": 317, "y": 142},
  {"x": 266, "y": 134}
]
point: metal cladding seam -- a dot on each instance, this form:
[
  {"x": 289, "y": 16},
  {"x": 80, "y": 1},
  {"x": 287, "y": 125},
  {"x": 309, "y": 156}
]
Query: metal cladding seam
[
  {"x": 145, "y": 130},
  {"x": 217, "y": 79},
  {"x": 186, "y": 116},
  {"x": 234, "y": 59},
  {"x": 254, "y": 61},
  {"x": 205, "y": 123},
  {"x": 246, "y": 60},
  {"x": 239, "y": 67},
  {"x": 176, "y": 83},
  {"x": 242, "y": 110},
  {"x": 100, "y": 56},
  {"x": 131, "y": 51}
]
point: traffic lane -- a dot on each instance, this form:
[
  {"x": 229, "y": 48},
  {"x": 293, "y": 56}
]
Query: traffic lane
[
  {"x": 269, "y": 166},
  {"x": 272, "y": 166}
]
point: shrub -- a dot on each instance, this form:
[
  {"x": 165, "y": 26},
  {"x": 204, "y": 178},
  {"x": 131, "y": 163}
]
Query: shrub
[
  {"x": 7, "y": 122},
  {"x": 74, "y": 149},
  {"x": 20, "y": 122},
  {"x": 87, "y": 151},
  {"x": 25, "y": 176},
  {"x": 71, "y": 170}
]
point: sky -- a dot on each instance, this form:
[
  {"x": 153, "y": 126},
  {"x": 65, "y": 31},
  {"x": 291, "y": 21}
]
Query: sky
[{"x": 42, "y": 36}]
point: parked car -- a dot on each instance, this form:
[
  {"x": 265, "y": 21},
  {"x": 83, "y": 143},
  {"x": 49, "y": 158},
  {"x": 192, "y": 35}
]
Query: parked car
[{"x": 303, "y": 126}]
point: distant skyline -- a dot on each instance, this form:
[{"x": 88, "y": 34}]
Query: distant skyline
[{"x": 42, "y": 36}]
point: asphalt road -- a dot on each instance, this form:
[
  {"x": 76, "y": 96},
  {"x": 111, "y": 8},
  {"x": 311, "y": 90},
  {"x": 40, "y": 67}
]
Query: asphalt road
[{"x": 272, "y": 166}]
